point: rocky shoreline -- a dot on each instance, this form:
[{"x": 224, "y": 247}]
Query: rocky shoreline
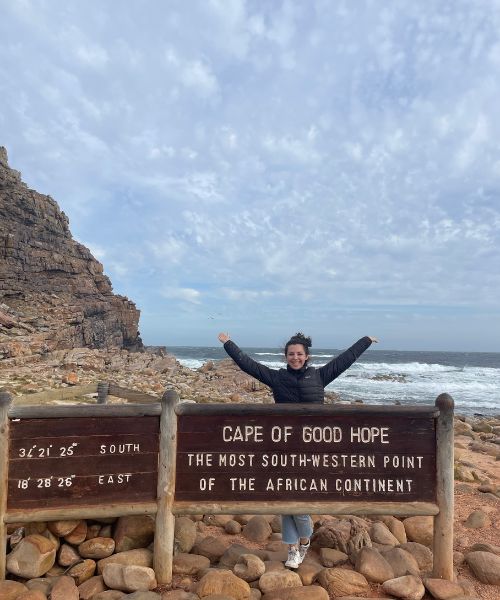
[{"x": 237, "y": 556}]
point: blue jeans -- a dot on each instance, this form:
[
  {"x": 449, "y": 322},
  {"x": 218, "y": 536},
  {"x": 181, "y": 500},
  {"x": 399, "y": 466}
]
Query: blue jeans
[{"x": 294, "y": 527}]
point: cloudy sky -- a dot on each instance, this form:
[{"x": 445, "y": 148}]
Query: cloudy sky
[{"x": 260, "y": 166}]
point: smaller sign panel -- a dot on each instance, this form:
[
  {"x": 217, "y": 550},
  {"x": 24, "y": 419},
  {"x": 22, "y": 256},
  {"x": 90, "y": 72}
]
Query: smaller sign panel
[
  {"x": 68, "y": 462},
  {"x": 306, "y": 457}
]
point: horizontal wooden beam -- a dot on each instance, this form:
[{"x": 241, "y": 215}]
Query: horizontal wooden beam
[
  {"x": 80, "y": 512},
  {"x": 298, "y": 508},
  {"x": 59, "y": 394},
  {"x": 190, "y": 408},
  {"x": 132, "y": 395},
  {"x": 84, "y": 410}
]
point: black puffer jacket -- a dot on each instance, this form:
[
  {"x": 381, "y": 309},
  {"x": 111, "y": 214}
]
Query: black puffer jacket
[{"x": 303, "y": 385}]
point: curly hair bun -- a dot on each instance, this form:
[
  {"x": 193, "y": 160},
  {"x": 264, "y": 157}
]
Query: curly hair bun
[{"x": 300, "y": 338}]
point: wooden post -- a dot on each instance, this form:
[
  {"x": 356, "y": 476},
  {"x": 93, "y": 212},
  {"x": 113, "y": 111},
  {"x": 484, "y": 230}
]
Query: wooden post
[
  {"x": 102, "y": 392},
  {"x": 165, "y": 520},
  {"x": 443, "y": 521},
  {"x": 5, "y": 400}
]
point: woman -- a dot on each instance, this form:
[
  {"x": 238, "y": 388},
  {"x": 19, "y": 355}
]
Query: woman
[{"x": 299, "y": 382}]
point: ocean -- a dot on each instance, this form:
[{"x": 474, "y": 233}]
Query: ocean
[{"x": 389, "y": 376}]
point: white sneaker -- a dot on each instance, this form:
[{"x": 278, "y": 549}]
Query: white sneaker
[
  {"x": 293, "y": 558},
  {"x": 303, "y": 548}
]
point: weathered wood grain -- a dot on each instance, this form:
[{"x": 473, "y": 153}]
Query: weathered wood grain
[
  {"x": 58, "y": 462},
  {"x": 85, "y": 490},
  {"x": 299, "y": 508},
  {"x": 443, "y": 521},
  {"x": 80, "y": 512},
  {"x": 131, "y": 395},
  {"x": 89, "y": 445},
  {"x": 91, "y": 410},
  {"x": 5, "y": 400},
  {"x": 189, "y": 408},
  {"x": 53, "y": 395},
  {"x": 165, "y": 522}
]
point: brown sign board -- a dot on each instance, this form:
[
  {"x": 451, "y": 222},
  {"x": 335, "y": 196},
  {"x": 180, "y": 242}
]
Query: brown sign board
[
  {"x": 306, "y": 457},
  {"x": 82, "y": 461}
]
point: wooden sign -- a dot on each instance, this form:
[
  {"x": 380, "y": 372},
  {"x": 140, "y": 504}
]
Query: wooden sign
[
  {"x": 307, "y": 457},
  {"x": 173, "y": 459},
  {"x": 82, "y": 461}
]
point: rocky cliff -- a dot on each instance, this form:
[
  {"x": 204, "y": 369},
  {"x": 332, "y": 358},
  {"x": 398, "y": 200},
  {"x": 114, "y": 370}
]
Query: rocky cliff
[{"x": 53, "y": 293}]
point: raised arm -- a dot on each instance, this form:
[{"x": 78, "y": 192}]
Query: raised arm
[
  {"x": 343, "y": 361},
  {"x": 245, "y": 363}
]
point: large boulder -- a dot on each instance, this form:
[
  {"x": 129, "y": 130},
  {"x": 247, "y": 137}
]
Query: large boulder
[
  {"x": 257, "y": 529},
  {"x": 109, "y": 595},
  {"x": 442, "y": 589},
  {"x": 83, "y": 570},
  {"x": 211, "y": 547},
  {"x": 402, "y": 562},
  {"x": 274, "y": 580},
  {"x": 333, "y": 534},
  {"x": 134, "y": 531},
  {"x": 67, "y": 555},
  {"x": 396, "y": 527},
  {"x": 232, "y": 554},
  {"x": 184, "y": 535},
  {"x": 421, "y": 554},
  {"x": 311, "y": 592},
  {"x": 249, "y": 567},
  {"x": 78, "y": 534},
  {"x": 44, "y": 584},
  {"x": 97, "y": 548},
  {"x": 88, "y": 589},
  {"x": 64, "y": 588},
  {"x": 408, "y": 587},
  {"x": 232, "y": 527},
  {"x": 129, "y": 578},
  {"x": 308, "y": 571},
  {"x": 330, "y": 557},
  {"x": 10, "y": 590},
  {"x": 343, "y": 582},
  {"x": 62, "y": 528},
  {"x": 485, "y": 566},
  {"x": 380, "y": 533},
  {"x": 223, "y": 582},
  {"x": 189, "y": 564},
  {"x": 32, "y": 595},
  {"x": 420, "y": 529},
  {"x": 477, "y": 519},
  {"x": 141, "y": 557},
  {"x": 32, "y": 557},
  {"x": 178, "y": 595},
  {"x": 373, "y": 566}
]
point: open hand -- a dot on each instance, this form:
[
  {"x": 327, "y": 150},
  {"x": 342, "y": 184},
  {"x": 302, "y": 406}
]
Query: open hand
[{"x": 223, "y": 337}]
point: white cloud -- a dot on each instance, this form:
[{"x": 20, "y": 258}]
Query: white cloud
[
  {"x": 285, "y": 158},
  {"x": 247, "y": 295},
  {"x": 92, "y": 55},
  {"x": 180, "y": 293},
  {"x": 168, "y": 249},
  {"x": 198, "y": 76}
]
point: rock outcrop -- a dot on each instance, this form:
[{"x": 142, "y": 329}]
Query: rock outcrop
[{"x": 53, "y": 293}]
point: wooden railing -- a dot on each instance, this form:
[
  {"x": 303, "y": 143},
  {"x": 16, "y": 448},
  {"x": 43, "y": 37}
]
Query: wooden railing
[
  {"x": 103, "y": 389},
  {"x": 62, "y": 462}
]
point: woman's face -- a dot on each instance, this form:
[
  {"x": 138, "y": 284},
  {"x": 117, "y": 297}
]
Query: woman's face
[{"x": 296, "y": 356}]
